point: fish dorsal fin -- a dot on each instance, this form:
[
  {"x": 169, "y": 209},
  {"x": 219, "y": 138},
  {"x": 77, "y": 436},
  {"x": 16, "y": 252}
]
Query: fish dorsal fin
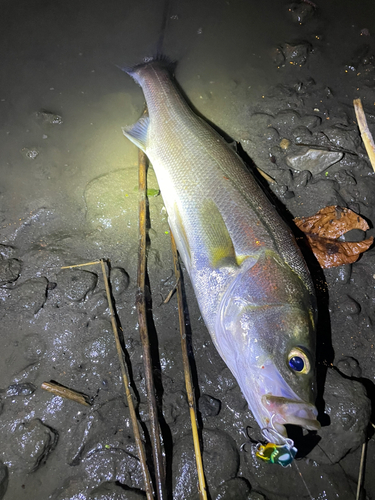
[
  {"x": 137, "y": 133},
  {"x": 216, "y": 237}
]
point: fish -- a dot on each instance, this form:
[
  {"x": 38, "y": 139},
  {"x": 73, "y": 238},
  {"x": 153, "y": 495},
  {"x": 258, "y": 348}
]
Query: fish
[{"x": 253, "y": 287}]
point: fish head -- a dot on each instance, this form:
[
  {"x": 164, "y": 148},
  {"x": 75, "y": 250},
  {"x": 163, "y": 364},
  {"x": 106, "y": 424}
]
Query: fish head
[{"x": 265, "y": 333}]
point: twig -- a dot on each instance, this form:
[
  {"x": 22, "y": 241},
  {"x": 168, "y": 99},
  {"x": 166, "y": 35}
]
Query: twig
[
  {"x": 361, "y": 467},
  {"x": 142, "y": 319},
  {"x": 133, "y": 416},
  {"x": 64, "y": 392},
  {"x": 170, "y": 294},
  {"x": 365, "y": 131},
  {"x": 187, "y": 374}
]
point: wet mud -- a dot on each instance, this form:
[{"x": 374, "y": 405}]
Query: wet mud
[{"x": 279, "y": 80}]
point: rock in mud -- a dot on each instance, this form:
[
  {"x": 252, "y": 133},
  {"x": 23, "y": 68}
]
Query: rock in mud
[
  {"x": 29, "y": 297},
  {"x": 314, "y": 160},
  {"x": 74, "y": 488},
  {"x": 255, "y": 495},
  {"x": 270, "y": 134},
  {"x": 174, "y": 404},
  {"x": 362, "y": 193},
  {"x": 261, "y": 120},
  {"x": 234, "y": 489},
  {"x": 349, "y": 306},
  {"x": 48, "y": 117},
  {"x": 114, "y": 464},
  {"x": 349, "y": 410},
  {"x": 302, "y": 135},
  {"x": 349, "y": 367},
  {"x": 75, "y": 284},
  {"x": 310, "y": 121},
  {"x": 294, "y": 53},
  {"x": 114, "y": 491},
  {"x": 343, "y": 138},
  {"x": 9, "y": 270},
  {"x": 209, "y": 406},
  {"x": 30, "y": 153},
  {"x": 216, "y": 445},
  {"x": 286, "y": 119},
  {"x": 91, "y": 437},
  {"x": 119, "y": 281},
  {"x": 99, "y": 350},
  {"x": 6, "y": 251},
  {"x": 300, "y": 12},
  {"x": 319, "y": 193},
  {"x": 3, "y": 480},
  {"x": 33, "y": 347},
  {"x": 301, "y": 179},
  {"x": 25, "y": 389},
  {"x": 29, "y": 445}
]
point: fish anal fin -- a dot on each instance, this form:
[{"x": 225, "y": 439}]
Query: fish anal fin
[{"x": 137, "y": 133}]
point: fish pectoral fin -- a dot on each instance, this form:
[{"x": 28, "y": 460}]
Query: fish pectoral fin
[
  {"x": 137, "y": 133},
  {"x": 216, "y": 237}
]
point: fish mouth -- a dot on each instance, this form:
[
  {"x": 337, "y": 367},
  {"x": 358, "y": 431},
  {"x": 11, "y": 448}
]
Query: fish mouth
[{"x": 290, "y": 411}]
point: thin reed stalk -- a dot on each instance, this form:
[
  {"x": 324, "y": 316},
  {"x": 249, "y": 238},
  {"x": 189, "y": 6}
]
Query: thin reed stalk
[
  {"x": 143, "y": 331},
  {"x": 361, "y": 471},
  {"x": 129, "y": 397},
  {"x": 187, "y": 374}
]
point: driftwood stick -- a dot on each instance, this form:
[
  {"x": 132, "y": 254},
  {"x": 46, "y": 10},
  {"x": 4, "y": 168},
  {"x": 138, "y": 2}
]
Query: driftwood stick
[
  {"x": 143, "y": 331},
  {"x": 129, "y": 397},
  {"x": 187, "y": 374}
]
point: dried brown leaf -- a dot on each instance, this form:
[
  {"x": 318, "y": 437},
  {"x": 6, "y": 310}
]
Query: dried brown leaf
[{"x": 323, "y": 230}]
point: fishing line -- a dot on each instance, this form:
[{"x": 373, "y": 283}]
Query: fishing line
[{"x": 304, "y": 482}]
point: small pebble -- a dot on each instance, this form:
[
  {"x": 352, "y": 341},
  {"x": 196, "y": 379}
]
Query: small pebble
[
  {"x": 284, "y": 144},
  {"x": 29, "y": 153}
]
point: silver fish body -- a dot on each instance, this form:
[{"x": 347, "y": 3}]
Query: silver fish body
[{"x": 251, "y": 282}]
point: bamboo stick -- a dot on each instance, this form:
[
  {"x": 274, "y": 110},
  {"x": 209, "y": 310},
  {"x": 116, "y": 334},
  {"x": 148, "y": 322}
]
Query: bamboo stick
[
  {"x": 187, "y": 374},
  {"x": 129, "y": 397},
  {"x": 142, "y": 320},
  {"x": 365, "y": 131}
]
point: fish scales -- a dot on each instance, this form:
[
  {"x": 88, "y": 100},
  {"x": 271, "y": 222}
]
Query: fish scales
[{"x": 251, "y": 282}]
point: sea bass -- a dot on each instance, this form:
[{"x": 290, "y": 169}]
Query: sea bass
[{"x": 250, "y": 279}]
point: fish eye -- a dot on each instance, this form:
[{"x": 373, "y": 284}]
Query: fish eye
[{"x": 298, "y": 361}]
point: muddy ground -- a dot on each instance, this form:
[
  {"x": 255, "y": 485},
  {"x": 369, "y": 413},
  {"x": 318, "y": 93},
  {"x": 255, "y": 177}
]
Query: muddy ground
[{"x": 277, "y": 77}]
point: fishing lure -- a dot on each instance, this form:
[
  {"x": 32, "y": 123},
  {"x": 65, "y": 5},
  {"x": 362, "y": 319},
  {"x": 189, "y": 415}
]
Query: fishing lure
[{"x": 282, "y": 454}]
